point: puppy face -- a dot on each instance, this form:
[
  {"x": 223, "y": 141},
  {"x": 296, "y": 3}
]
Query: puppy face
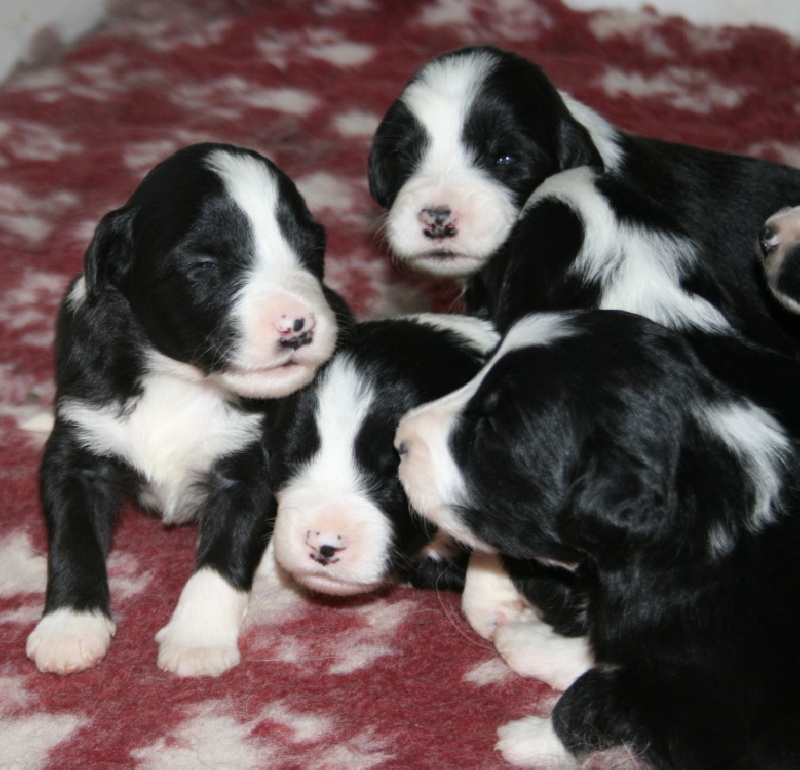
[
  {"x": 344, "y": 525},
  {"x": 593, "y": 434},
  {"x": 221, "y": 263},
  {"x": 779, "y": 244},
  {"x": 472, "y": 135}
]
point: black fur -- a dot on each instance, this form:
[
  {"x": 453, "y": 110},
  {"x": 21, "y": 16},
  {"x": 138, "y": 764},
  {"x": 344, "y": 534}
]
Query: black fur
[{"x": 594, "y": 449}]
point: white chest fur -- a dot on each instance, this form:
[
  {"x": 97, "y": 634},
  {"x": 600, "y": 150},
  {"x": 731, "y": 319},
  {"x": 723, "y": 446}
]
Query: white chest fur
[{"x": 170, "y": 435}]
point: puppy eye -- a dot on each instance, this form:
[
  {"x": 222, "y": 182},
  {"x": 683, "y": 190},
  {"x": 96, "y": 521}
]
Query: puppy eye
[
  {"x": 205, "y": 262},
  {"x": 506, "y": 160}
]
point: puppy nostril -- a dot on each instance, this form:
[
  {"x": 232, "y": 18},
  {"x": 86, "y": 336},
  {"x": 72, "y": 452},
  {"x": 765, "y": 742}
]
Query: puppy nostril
[
  {"x": 402, "y": 448},
  {"x": 298, "y": 324}
]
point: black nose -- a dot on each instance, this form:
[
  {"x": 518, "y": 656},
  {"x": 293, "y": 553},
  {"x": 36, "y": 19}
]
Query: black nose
[
  {"x": 293, "y": 343},
  {"x": 437, "y": 223},
  {"x": 766, "y": 241}
]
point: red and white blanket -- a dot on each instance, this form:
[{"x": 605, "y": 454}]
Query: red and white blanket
[{"x": 397, "y": 680}]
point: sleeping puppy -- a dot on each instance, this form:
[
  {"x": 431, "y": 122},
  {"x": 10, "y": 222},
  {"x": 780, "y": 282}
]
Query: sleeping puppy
[
  {"x": 598, "y": 441},
  {"x": 199, "y": 299},
  {"x": 493, "y": 176},
  {"x": 344, "y": 525},
  {"x": 779, "y": 244}
]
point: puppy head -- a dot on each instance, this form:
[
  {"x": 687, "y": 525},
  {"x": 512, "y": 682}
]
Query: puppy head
[
  {"x": 779, "y": 246},
  {"x": 592, "y": 434},
  {"x": 221, "y": 263},
  {"x": 474, "y": 132},
  {"x": 344, "y": 525}
]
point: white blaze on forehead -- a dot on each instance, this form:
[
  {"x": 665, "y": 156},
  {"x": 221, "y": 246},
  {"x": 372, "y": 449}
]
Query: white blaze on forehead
[
  {"x": 343, "y": 404},
  {"x": 254, "y": 188},
  {"x": 441, "y": 98}
]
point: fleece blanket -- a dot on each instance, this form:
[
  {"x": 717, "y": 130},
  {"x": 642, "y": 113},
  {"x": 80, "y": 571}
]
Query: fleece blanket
[{"x": 396, "y": 680}]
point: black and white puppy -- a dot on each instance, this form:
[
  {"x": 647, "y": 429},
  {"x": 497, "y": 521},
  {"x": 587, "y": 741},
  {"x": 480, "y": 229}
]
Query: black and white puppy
[
  {"x": 344, "y": 525},
  {"x": 199, "y": 298},
  {"x": 598, "y": 441},
  {"x": 492, "y": 175},
  {"x": 779, "y": 243}
]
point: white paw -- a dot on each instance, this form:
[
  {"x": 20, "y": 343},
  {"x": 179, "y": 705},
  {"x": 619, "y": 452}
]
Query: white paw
[
  {"x": 490, "y": 599},
  {"x": 533, "y": 649},
  {"x": 532, "y": 742},
  {"x": 201, "y": 637},
  {"x": 67, "y": 641}
]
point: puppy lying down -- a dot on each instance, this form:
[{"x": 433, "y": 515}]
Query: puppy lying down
[
  {"x": 596, "y": 440},
  {"x": 344, "y": 525},
  {"x": 199, "y": 299}
]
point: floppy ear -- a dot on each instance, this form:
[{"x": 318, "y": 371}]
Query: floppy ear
[
  {"x": 376, "y": 174},
  {"x": 384, "y": 143},
  {"x": 110, "y": 253},
  {"x": 575, "y": 146},
  {"x": 620, "y": 500}
]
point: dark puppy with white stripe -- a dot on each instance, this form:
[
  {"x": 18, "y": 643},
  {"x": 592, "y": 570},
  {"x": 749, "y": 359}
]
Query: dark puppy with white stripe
[
  {"x": 598, "y": 441},
  {"x": 199, "y": 299},
  {"x": 344, "y": 525},
  {"x": 492, "y": 175}
]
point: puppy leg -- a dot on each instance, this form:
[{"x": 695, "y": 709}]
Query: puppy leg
[
  {"x": 81, "y": 495},
  {"x": 201, "y": 638},
  {"x": 532, "y": 648},
  {"x": 490, "y": 598}
]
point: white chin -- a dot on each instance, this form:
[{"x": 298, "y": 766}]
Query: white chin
[
  {"x": 267, "y": 383},
  {"x": 334, "y": 587},
  {"x": 446, "y": 265}
]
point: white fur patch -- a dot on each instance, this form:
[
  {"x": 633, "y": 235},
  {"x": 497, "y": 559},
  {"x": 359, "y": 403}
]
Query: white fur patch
[
  {"x": 481, "y": 334},
  {"x": 67, "y": 641},
  {"x": 639, "y": 270},
  {"x": 327, "y": 501},
  {"x": 531, "y": 648},
  {"x": 170, "y": 435},
  {"x": 532, "y": 742},
  {"x": 201, "y": 637},
  {"x": 759, "y": 441}
]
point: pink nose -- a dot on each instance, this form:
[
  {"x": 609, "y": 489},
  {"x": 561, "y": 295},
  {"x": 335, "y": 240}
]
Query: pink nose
[
  {"x": 324, "y": 547},
  {"x": 289, "y": 326}
]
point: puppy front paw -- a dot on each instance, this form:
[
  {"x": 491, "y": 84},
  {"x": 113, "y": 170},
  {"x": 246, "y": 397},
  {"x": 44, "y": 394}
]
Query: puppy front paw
[
  {"x": 201, "y": 637},
  {"x": 181, "y": 652},
  {"x": 490, "y": 599},
  {"x": 532, "y": 742},
  {"x": 531, "y": 648},
  {"x": 67, "y": 641}
]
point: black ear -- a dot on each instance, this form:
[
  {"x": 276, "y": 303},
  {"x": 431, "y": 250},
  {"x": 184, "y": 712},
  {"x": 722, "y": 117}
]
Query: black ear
[
  {"x": 620, "y": 500},
  {"x": 376, "y": 173},
  {"x": 110, "y": 253},
  {"x": 575, "y": 146}
]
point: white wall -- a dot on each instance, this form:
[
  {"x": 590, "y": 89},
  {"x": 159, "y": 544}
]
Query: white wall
[{"x": 22, "y": 20}]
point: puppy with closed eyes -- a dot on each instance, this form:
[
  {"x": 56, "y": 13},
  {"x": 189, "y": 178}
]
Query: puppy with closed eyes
[
  {"x": 598, "y": 441},
  {"x": 200, "y": 300}
]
